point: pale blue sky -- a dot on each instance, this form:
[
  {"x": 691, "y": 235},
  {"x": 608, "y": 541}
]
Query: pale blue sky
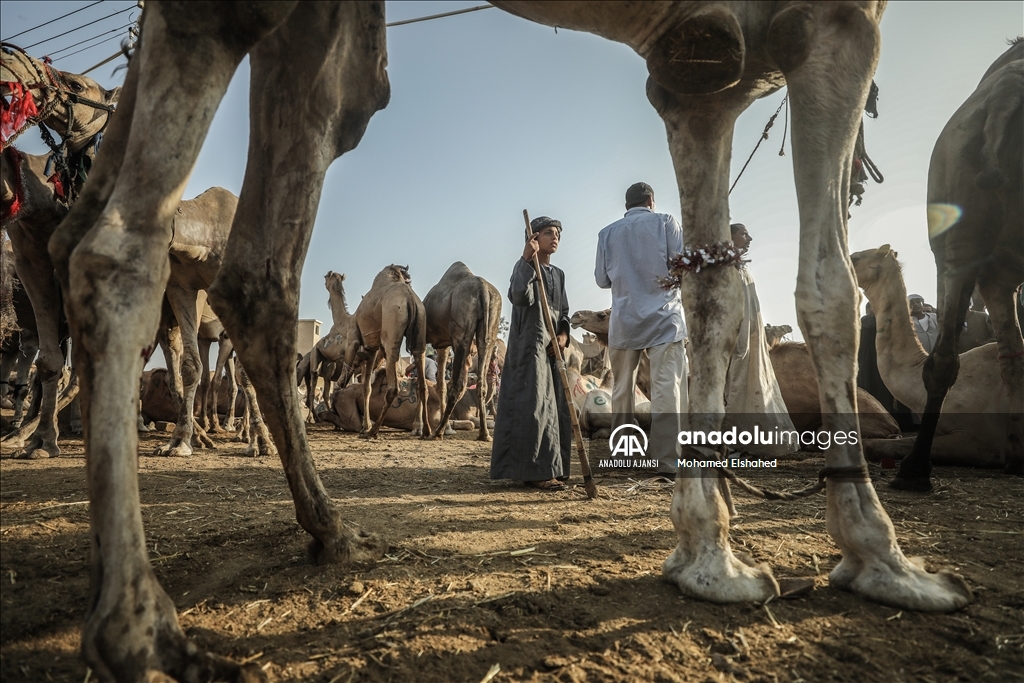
[{"x": 491, "y": 114}]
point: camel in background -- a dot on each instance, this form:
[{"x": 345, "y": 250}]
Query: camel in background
[
  {"x": 388, "y": 314},
  {"x": 976, "y": 231},
  {"x": 318, "y": 75},
  {"x": 973, "y": 428},
  {"x": 462, "y": 309}
]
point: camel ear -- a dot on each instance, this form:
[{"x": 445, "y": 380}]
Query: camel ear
[{"x": 884, "y": 249}]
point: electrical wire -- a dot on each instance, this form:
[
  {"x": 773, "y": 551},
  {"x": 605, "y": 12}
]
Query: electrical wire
[
  {"x": 88, "y": 47},
  {"x": 96, "y": 21},
  {"x": 65, "y": 49},
  {"x": 47, "y": 23}
]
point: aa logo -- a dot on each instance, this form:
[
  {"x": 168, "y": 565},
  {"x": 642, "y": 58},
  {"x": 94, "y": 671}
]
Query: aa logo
[{"x": 625, "y": 442}]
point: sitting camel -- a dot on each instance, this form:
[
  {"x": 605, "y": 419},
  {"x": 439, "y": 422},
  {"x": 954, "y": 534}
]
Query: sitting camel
[
  {"x": 972, "y": 430},
  {"x": 596, "y": 322},
  {"x": 110, "y": 255},
  {"x": 976, "y": 230},
  {"x": 462, "y": 309},
  {"x": 34, "y": 203},
  {"x": 388, "y": 314},
  {"x": 348, "y": 411}
]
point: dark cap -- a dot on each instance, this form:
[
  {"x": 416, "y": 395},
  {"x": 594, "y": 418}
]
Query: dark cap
[
  {"x": 541, "y": 222},
  {"x": 736, "y": 227},
  {"x": 638, "y": 193}
]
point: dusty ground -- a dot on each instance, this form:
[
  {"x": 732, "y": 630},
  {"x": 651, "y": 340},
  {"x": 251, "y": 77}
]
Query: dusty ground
[{"x": 546, "y": 585}]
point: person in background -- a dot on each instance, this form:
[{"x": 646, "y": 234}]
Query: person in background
[{"x": 533, "y": 431}]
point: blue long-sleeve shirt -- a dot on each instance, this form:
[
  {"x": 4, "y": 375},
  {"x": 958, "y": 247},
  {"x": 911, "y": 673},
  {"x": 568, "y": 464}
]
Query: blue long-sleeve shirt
[{"x": 632, "y": 253}]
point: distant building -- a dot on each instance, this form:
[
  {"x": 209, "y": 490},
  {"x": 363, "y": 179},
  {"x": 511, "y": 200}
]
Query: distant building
[{"x": 308, "y": 334}]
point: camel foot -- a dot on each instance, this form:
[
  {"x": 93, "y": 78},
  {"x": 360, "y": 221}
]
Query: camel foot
[
  {"x": 703, "y": 565},
  {"x": 898, "y": 582},
  {"x": 175, "y": 448},
  {"x": 486, "y": 438},
  {"x": 137, "y": 637},
  {"x": 348, "y": 548},
  {"x": 873, "y": 566},
  {"x": 915, "y": 484},
  {"x": 35, "y": 449}
]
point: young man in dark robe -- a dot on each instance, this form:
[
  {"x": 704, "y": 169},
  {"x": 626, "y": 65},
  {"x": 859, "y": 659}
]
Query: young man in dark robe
[{"x": 532, "y": 430}]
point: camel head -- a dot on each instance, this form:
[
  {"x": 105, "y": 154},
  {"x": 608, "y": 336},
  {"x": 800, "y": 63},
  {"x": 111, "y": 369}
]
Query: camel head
[
  {"x": 592, "y": 321},
  {"x": 873, "y": 265},
  {"x": 335, "y": 283},
  {"x": 393, "y": 273},
  {"x": 776, "y": 334},
  {"x": 79, "y": 107}
]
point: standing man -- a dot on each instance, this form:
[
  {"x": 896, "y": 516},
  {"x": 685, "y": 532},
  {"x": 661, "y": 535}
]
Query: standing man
[
  {"x": 925, "y": 324},
  {"x": 632, "y": 253}
]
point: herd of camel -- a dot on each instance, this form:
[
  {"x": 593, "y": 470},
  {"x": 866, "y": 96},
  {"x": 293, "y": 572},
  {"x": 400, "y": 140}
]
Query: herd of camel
[{"x": 128, "y": 244}]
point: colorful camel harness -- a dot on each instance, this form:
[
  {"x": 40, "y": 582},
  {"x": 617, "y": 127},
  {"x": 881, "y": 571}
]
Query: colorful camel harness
[{"x": 20, "y": 112}]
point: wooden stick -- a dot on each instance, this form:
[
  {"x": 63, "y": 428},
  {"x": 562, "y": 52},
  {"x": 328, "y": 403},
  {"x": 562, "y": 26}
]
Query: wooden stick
[{"x": 588, "y": 477}]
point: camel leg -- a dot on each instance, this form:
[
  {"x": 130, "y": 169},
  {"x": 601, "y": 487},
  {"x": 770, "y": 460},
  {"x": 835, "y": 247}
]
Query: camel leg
[
  {"x": 939, "y": 373},
  {"x": 703, "y": 564},
  {"x": 111, "y": 256},
  {"x": 183, "y": 303},
  {"x": 423, "y": 391},
  {"x": 485, "y": 352},
  {"x": 299, "y": 73},
  {"x": 23, "y": 368},
  {"x": 42, "y": 292},
  {"x": 205, "y": 390},
  {"x": 442, "y": 391},
  {"x": 259, "y": 438},
  {"x": 391, "y": 352},
  {"x": 230, "y": 420},
  {"x": 224, "y": 351},
  {"x": 1002, "y": 312},
  {"x": 312, "y": 376},
  {"x": 458, "y": 387},
  {"x": 368, "y": 376},
  {"x": 840, "y": 48}
]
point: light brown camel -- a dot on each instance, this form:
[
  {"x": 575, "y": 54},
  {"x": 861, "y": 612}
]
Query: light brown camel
[
  {"x": 462, "y": 309},
  {"x": 316, "y": 365},
  {"x": 973, "y": 428},
  {"x": 388, "y": 314},
  {"x": 348, "y": 411},
  {"x": 774, "y": 334},
  {"x": 318, "y": 74},
  {"x": 976, "y": 229},
  {"x": 596, "y": 322}
]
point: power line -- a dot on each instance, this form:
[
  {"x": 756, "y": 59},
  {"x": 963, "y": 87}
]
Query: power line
[
  {"x": 88, "y": 47},
  {"x": 65, "y": 49},
  {"x": 59, "y": 35},
  {"x": 47, "y": 23},
  {"x": 439, "y": 16}
]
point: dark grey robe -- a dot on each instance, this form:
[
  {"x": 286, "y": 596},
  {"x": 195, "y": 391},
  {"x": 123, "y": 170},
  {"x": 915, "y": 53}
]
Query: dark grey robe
[{"x": 532, "y": 430}]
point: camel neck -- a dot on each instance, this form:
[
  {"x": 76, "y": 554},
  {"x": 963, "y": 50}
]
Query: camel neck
[
  {"x": 339, "y": 309},
  {"x": 899, "y": 351}
]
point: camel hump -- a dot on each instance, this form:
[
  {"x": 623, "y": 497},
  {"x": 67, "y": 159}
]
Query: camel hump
[{"x": 1004, "y": 101}]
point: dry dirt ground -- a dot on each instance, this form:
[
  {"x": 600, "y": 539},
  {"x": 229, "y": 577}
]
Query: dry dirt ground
[{"x": 481, "y": 575}]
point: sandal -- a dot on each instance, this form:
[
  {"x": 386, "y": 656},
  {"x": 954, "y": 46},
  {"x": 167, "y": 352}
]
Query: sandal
[{"x": 549, "y": 485}]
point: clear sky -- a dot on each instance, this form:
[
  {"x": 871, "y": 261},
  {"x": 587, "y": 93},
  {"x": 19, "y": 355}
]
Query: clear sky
[{"x": 491, "y": 114}]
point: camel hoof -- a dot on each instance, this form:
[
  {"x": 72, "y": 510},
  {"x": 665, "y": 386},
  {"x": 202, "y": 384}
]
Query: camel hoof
[
  {"x": 902, "y": 584},
  {"x": 914, "y": 484},
  {"x": 179, "y": 451},
  {"x": 486, "y": 438},
  {"x": 38, "y": 454},
  {"x": 363, "y": 546}
]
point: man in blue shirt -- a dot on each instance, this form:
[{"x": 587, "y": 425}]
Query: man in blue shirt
[{"x": 632, "y": 254}]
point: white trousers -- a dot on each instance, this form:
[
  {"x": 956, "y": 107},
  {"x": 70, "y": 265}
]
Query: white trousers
[{"x": 669, "y": 398}]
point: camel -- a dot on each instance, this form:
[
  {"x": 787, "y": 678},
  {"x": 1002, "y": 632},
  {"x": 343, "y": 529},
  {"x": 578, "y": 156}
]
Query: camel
[
  {"x": 462, "y": 309},
  {"x": 318, "y": 74},
  {"x": 775, "y": 334},
  {"x": 595, "y": 356},
  {"x": 596, "y": 322},
  {"x": 708, "y": 61},
  {"x": 32, "y": 207},
  {"x": 315, "y": 364},
  {"x": 19, "y": 346},
  {"x": 974, "y": 426},
  {"x": 976, "y": 230},
  {"x": 348, "y": 410},
  {"x": 389, "y": 313}
]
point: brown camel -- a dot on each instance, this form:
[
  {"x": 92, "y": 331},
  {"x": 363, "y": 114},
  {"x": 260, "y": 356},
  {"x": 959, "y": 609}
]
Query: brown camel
[
  {"x": 347, "y": 410},
  {"x": 973, "y": 429},
  {"x": 32, "y": 207},
  {"x": 976, "y": 229},
  {"x": 318, "y": 74},
  {"x": 462, "y": 309},
  {"x": 316, "y": 365},
  {"x": 596, "y": 322},
  {"x": 388, "y": 314}
]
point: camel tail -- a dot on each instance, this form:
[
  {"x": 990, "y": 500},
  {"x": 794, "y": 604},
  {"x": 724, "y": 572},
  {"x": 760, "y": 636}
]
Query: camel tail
[
  {"x": 1002, "y": 131},
  {"x": 416, "y": 328}
]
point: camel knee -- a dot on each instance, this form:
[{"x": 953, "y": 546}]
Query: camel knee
[{"x": 940, "y": 371}]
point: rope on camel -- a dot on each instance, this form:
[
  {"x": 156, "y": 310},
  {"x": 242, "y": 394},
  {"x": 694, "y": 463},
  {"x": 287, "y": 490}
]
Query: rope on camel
[{"x": 858, "y": 474}]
